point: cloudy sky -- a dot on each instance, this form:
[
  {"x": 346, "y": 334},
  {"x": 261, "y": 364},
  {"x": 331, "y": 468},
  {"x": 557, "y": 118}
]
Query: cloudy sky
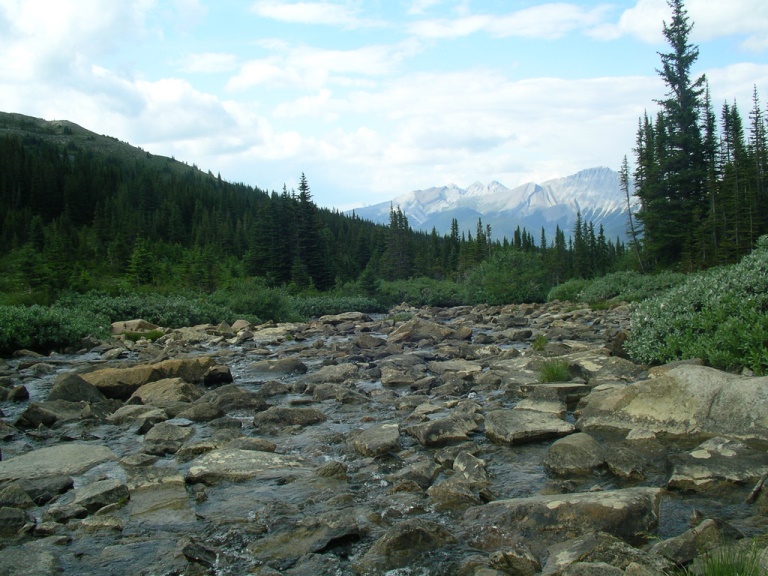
[{"x": 368, "y": 98}]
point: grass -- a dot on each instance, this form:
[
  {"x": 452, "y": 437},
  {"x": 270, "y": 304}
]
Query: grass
[
  {"x": 554, "y": 371},
  {"x": 539, "y": 343},
  {"x": 728, "y": 561}
]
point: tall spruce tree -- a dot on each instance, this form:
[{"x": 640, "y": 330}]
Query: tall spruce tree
[{"x": 675, "y": 194}]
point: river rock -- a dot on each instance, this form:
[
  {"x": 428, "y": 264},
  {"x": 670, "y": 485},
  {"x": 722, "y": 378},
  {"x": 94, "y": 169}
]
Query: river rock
[
  {"x": 73, "y": 388},
  {"x": 232, "y": 398},
  {"x": 708, "y": 535},
  {"x": 120, "y": 383},
  {"x": 101, "y": 493},
  {"x": 146, "y": 416},
  {"x": 31, "y": 559},
  {"x": 278, "y": 368},
  {"x": 166, "y": 438},
  {"x": 287, "y": 416},
  {"x": 14, "y": 496},
  {"x": 61, "y": 460},
  {"x": 416, "y": 329},
  {"x": 345, "y": 318},
  {"x": 234, "y": 465},
  {"x": 453, "y": 429},
  {"x": 403, "y": 545},
  {"x": 49, "y": 414},
  {"x": 604, "y": 549},
  {"x": 622, "y": 513},
  {"x": 166, "y": 391},
  {"x": 520, "y": 426},
  {"x": 378, "y": 440},
  {"x": 575, "y": 454},
  {"x": 684, "y": 401},
  {"x": 716, "y": 463},
  {"x": 335, "y": 373}
]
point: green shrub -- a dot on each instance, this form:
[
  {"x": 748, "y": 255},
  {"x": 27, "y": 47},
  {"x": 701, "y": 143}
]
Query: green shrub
[
  {"x": 150, "y": 335},
  {"x": 554, "y": 371},
  {"x": 539, "y": 343},
  {"x": 720, "y": 316},
  {"x": 421, "y": 292},
  {"x": 508, "y": 277},
  {"x": 44, "y": 329},
  {"x": 568, "y": 291},
  {"x": 316, "y": 306}
]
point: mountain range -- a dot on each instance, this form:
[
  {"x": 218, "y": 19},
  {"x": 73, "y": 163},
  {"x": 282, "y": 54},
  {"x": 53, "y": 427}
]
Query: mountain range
[{"x": 595, "y": 193}]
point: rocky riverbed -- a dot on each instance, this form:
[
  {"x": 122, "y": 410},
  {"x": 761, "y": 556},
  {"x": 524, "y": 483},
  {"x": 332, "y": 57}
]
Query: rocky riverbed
[{"x": 415, "y": 443}]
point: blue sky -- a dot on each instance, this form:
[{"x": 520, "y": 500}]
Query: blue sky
[{"x": 369, "y": 98}]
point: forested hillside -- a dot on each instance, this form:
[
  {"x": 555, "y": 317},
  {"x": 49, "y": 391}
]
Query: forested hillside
[{"x": 82, "y": 211}]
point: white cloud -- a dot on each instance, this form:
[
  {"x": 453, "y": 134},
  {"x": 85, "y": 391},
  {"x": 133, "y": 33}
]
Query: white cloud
[
  {"x": 552, "y": 20},
  {"x": 710, "y": 18},
  {"x": 209, "y": 62},
  {"x": 328, "y": 13}
]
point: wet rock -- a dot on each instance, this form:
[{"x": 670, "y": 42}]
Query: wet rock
[
  {"x": 325, "y": 533},
  {"x": 470, "y": 469},
  {"x": 144, "y": 417},
  {"x": 575, "y": 454},
  {"x": 231, "y": 398},
  {"x": 454, "y": 494},
  {"x": 278, "y": 368},
  {"x": 517, "y": 560},
  {"x": 605, "y": 549},
  {"x": 285, "y": 416},
  {"x": 234, "y": 465},
  {"x": 249, "y": 443},
  {"x": 43, "y": 490},
  {"x": 622, "y": 513},
  {"x": 49, "y": 414},
  {"x": 568, "y": 392},
  {"x": 14, "y": 496},
  {"x": 717, "y": 463},
  {"x": 120, "y": 383},
  {"x": 707, "y": 536},
  {"x": 591, "y": 569},
  {"x": 202, "y": 412},
  {"x": 392, "y": 377},
  {"x": 335, "y": 373},
  {"x": 684, "y": 401},
  {"x": 166, "y": 438},
  {"x": 368, "y": 342},
  {"x": 403, "y": 545},
  {"x": 453, "y": 366},
  {"x": 378, "y": 440},
  {"x": 61, "y": 460},
  {"x": 31, "y": 559},
  {"x": 416, "y": 330},
  {"x": 344, "y": 318},
  {"x": 101, "y": 493},
  {"x": 520, "y": 426},
  {"x": 159, "y": 498},
  {"x": 11, "y": 520},
  {"x": 166, "y": 391},
  {"x": 72, "y": 388},
  {"x": 452, "y": 429}
]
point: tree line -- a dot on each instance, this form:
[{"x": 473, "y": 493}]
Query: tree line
[
  {"x": 702, "y": 184},
  {"x": 74, "y": 219}
]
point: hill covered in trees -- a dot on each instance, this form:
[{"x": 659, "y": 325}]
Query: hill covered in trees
[{"x": 80, "y": 211}]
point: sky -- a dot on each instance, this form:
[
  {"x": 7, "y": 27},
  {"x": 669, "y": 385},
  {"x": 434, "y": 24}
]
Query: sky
[{"x": 369, "y": 99}]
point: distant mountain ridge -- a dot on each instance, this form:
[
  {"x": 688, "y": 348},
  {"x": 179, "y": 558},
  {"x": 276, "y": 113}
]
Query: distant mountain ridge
[{"x": 594, "y": 192}]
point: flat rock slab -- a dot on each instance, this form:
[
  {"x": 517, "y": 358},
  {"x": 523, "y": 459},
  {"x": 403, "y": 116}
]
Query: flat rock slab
[
  {"x": 520, "y": 426},
  {"x": 684, "y": 401},
  {"x": 622, "y": 513},
  {"x": 444, "y": 431},
  {"x": 235, "y": 465},
  {"x": 62, "y": 460},
  {"x": 715, "y": 464}
]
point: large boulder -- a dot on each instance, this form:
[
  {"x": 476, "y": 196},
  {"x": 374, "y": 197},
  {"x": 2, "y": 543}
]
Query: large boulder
[
  {"x": 73, "y": 388},
  {"x": 417, "y": 329},
  {"x": 120, "y": 383},
  {"x": 684, "y": 401},
  {"x": 575, "y": 454},
  {"x": 622, "y": 513},
  {"x": 166, "y": 392}
]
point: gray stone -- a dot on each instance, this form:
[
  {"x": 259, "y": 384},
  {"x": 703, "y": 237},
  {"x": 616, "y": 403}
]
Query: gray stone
[
  {"x": 684, "y": 401},
  {"x": 377, "y": 440},
  {"x": 404, "y": 544},
  {"x": 279, "y": 367},
  {"x": 61, "y": 460},
  {"x": 708, "y": 535},
  {"x": 622, "y": 513},
  {"x": 101, "y": 493},
  {"x": 520, "y": 426},
  {"x": 234, "y": 465},
  {"x": 166, "y": 391},
  {"x": 434, "y": 433},
  {"x": 166, "y": 438},
  {"x": 73, "y": 388},
  {"x": 285, "y": 416},
  {"x": 575, "y": 454}
]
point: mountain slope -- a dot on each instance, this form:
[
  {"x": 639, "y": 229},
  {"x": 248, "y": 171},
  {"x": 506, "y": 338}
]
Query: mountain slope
[{"x": 594, "y": 192}]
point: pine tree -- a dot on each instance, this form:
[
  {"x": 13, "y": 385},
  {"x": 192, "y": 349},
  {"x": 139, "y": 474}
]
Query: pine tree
[{"x": 673, "y": 196}]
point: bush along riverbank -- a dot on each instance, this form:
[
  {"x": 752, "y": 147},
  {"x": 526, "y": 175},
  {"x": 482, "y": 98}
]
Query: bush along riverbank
[{"x": 426, "y": 439}]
